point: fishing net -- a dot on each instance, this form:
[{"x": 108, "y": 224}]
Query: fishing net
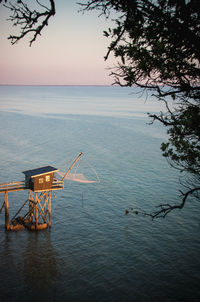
[
  {"x": 82, "y": 173},
  {"x": 79, "y": 177}
]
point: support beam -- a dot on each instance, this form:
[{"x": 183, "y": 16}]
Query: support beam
[
  {"x": 6, "y": 204},
  {"x": 49, "y": 209},
  {"x": 38, "y": 215},
  {"x": 36, "y": 212},
  {"x": 31, "y": 205}
]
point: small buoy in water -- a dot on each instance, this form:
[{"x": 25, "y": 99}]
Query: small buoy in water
[
  {"x": 126, "y": 212},
  {"x": 136, "y": 212}
]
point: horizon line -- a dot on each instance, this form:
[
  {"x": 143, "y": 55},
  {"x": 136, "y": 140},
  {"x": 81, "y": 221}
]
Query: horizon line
[{"x": 56, "y": 85}]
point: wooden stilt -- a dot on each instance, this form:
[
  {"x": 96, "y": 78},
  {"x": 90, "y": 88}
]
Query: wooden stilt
[
  {"x": 36, "y": 212},
  {"x": 38, "y": 216},
  {"x": 45, "y": 206},
  {"x": 42, "y": 209},
  {"x": 31, "y": 205},
  {"x": 2, "y": 207},
  {"x": 49, "y": 209},
  {"x": 7, "y": 225}
]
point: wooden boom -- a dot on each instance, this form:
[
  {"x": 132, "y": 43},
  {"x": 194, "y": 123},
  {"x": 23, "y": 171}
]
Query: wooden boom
[{"x": 72, "y": 165}]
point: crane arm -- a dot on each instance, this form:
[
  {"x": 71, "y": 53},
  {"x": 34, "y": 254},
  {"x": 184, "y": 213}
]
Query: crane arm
[{"x": 75, "y": 161}]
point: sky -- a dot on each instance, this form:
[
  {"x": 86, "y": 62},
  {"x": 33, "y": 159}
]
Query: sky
[{"x": 70, "y": 50}]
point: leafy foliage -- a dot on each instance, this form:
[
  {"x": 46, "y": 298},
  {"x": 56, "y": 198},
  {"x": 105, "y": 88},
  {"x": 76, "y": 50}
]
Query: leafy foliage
[{"x": 157, "y": 44}]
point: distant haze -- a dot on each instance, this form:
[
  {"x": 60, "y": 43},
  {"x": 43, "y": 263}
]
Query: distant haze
[{"x": 70, "y": 50}]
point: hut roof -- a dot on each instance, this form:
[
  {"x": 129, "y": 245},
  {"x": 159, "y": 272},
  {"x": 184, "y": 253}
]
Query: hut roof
[{"x": 40, "y": 171}]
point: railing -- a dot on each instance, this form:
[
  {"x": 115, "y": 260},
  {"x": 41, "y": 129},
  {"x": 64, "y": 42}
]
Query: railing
[
  {"x": 20, "y": 185},
  {"x": 57, "y": 184},
  {"x": 12, "y": 186}
]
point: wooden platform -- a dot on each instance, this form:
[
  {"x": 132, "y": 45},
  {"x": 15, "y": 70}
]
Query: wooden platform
[
  {"x": 28, "y": 226},
  {"x": 12, "y": 186},
  {"x": 38, "y": 216},
  {"x": 20, "y": 186}
]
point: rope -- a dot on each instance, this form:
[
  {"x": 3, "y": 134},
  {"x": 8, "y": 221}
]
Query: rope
[{"x": 98, "y": 179}]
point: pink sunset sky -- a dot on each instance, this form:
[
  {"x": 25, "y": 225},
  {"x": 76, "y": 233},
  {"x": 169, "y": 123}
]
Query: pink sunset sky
[{"x": 70, "y": 50}]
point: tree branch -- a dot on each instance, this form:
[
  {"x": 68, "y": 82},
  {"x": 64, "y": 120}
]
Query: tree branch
[
  {"x": 165, "y": 209},
  {"x": 30, "y": 21}
]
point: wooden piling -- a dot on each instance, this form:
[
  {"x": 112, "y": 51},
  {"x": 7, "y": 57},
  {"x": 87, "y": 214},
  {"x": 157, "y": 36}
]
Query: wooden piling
[
  {"x": 49, "y": 209},
  {"x": 31, "y": 206},
  {"x": 6, "y": 204},
  {"x": 36, "y": 212}
]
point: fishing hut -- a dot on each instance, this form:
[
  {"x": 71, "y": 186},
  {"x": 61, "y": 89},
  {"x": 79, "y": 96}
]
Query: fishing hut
[{"x": 40, "y": 183}]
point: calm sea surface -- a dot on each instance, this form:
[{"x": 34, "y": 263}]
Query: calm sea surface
[{"x": 94, "y": 252}]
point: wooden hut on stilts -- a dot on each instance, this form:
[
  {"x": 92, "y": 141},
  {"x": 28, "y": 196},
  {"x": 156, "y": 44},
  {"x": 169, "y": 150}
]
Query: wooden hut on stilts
[{"x": 40, "y": 183}]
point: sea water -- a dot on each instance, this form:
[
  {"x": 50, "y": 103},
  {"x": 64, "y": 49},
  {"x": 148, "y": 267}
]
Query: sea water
[{"x": 94, "y": 252}]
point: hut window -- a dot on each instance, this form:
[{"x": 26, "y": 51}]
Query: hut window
[
  {"x": 47, "y": 178},
  {"x": 40, "y": 180}
]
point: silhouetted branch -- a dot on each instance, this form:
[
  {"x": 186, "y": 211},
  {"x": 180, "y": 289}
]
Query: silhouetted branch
[
  {"x": 31, "y": 21},
  {"x": 160, "y": 119},
  {"x": 164, "y": 209},
  {"x": 100, "y": 5},
  {"x": 110, "y": 48}
]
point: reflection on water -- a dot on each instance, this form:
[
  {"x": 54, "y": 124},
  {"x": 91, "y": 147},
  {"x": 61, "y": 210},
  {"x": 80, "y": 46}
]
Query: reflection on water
[
  {"x": 40, "y": 270},
  {"x": 28, "y": 267}
]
